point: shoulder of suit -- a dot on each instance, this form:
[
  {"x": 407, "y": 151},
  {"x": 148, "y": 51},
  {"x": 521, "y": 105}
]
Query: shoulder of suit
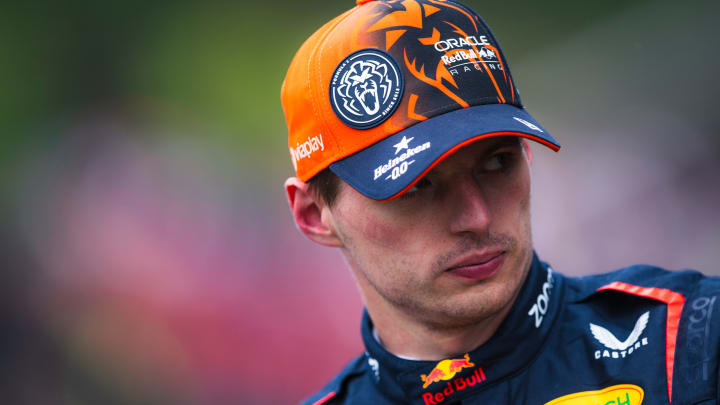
[
  {"x": 637, "y": 279},
  {"x": 335, "y": 391}
]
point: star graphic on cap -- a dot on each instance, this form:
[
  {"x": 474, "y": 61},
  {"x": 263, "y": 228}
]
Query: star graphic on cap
[{"x": 403, "y": 144}]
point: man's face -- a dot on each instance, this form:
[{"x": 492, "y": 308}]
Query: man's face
[{"x": 454, "y": 249}]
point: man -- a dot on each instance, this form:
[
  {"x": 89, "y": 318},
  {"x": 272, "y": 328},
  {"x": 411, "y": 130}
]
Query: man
[{"x": 409, "y": 142}]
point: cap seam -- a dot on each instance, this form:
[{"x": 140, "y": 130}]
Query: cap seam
[
  {"x": 319, "y": 48},
  {"x": 515, "y": 91},
  {"x": 314, "y": 105},
  {"x": 473, "y": 103}
]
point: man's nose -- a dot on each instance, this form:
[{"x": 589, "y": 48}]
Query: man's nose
[{"x": 469, "y": 210}]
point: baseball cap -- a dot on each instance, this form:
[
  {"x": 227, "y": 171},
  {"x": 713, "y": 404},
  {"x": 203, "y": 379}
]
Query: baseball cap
[{"x": 388, "y": 89}]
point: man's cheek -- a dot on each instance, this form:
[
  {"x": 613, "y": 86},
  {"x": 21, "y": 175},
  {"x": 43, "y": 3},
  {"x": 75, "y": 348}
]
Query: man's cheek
[
  {"x": 511, "y": 208},
  {"x": 382, "y": 233}
]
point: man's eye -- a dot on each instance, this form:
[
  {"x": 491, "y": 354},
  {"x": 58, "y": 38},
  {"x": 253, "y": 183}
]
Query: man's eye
[
  {"x": 496, "y": 162},
  {"x": 412, "y": 191}
]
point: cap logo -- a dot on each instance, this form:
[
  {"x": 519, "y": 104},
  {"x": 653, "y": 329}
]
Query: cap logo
[
  {"x": 398, "y": 165},
  {"x": 366, "y": 88},
  {"x": 528, "y": 124}
]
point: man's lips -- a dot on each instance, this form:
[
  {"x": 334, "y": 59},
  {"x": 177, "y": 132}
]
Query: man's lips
[{"x": 478, "y": 267}]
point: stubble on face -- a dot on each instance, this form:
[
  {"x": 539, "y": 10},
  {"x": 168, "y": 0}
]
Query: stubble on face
[
  {"x": 428, "y": 296},
  {"x": 395, "y": 270}
]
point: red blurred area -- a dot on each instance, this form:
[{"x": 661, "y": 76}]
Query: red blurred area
[{"x": 172, "y": 278}]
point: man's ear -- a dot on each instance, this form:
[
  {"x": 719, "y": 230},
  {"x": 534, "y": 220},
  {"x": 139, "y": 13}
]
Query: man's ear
[{"x": 312, "y": 216}]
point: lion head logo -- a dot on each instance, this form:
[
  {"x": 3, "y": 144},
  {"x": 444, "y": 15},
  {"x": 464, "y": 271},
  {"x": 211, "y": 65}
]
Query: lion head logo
[
  {"x": 366, "y": 88},
  {"x": 360, "y": 85}
]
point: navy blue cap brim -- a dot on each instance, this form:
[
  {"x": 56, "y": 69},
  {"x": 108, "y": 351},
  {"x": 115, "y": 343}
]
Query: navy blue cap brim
[{"x": 387, "y": 168}]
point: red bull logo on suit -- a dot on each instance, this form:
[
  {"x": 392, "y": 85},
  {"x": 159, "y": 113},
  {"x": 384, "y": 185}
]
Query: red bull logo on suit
[{"x": 446, "y": 370}]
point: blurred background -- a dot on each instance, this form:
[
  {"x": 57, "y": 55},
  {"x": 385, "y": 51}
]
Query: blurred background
[{"x": 150, "y": 256}]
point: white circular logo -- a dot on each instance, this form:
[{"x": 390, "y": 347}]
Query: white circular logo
[{"x": 366, "y": 88}]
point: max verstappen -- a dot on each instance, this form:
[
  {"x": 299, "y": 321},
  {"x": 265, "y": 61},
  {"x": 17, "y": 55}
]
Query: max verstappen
[{"x": 410, "y": 146}]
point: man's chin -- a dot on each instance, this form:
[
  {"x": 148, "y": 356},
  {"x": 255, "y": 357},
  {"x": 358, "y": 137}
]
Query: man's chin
[
  {"x": 466, "y": 309},
  {"x": 472, "y": 303}
]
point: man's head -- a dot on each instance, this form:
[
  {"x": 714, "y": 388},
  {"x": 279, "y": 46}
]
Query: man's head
[
  {"x": 453, "y": 249},
  {"x": 405, "y": 130}
]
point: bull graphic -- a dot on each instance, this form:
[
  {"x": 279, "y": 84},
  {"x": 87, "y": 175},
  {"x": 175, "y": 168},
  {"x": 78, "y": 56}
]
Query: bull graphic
[
  {"x": 446, "y": 369},
  {"x": 365, "y": 87}
]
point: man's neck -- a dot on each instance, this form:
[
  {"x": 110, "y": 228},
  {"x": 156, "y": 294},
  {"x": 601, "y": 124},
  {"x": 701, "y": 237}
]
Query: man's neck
[{"x": 405, "y": 337}]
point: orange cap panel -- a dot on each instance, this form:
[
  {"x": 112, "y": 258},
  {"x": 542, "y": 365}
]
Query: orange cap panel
[{"x": 308, "y": 142}]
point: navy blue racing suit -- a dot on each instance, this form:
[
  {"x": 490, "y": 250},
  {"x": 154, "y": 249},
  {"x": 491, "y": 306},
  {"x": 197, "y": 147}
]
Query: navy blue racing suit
[{"x": 637, "y": 335}]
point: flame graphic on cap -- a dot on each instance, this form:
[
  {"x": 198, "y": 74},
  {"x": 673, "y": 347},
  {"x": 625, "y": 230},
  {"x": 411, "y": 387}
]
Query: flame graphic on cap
[{"x": 410, "y": 16}]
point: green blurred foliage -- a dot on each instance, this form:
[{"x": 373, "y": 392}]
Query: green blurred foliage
[
  {"x": 217, "y": 64},
  {"x": 187, "y": 68}
]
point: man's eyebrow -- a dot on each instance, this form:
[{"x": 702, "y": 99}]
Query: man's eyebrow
[{"x": 502, "y": 143}]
